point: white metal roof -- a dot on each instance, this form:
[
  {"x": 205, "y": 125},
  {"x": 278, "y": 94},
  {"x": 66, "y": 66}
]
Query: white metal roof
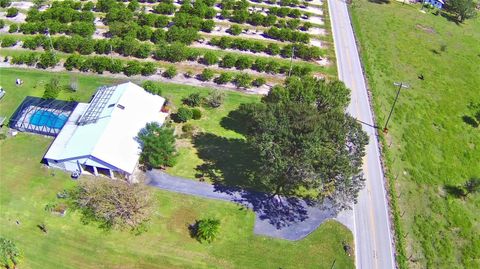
[{"x": 112, "y": 138}]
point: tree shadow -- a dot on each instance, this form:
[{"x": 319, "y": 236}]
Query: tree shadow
[
  {"x": 470, "y": 121},
  {"x": 379, "y": 1},
  {"x": 454, "y": 191},
  {"x": 228, "y": 162},
  {"x": 450, "y": 17},
  {"x": 279, "y": 211},
  {"x": 235, "y": 121}
]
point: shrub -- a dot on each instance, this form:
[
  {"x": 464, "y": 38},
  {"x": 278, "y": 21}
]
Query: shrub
[
  {"x": 243, "y": 80},
  {"x": 188, "y": 130},
  {"x": 207, "y": 74},
  {"x": 152, "y": 87},
  {"x": 260, "y": 65},
  {"x": 193, "y": 100},
  {"x": 243, "y": 62},
  {"x": 170, "y": 72},
  {"x": 206, "y": 230},
  {"x": 235, "y": 29},
  {"x": 228, "y": 61},
  {"x": 47, "y": 59},
  {"x": 258, "y": 82},
  {"x": 8, "y": 41},
  {"x": 2, "y": 24},
  {"x": 52, "y": 89},
  {"x": 5, "y": 3},
  {"x": 209, "y": 58},
  {"x": 175, "y": 52},
  {"x": 73, "y": 61},
  {"x": 183, "y": 114},
  {"x": 148, "y": 69},
  {"x": 223, "y": 78},
  {"x": 207, "y": 26},
  {"x": 12, "y": 12},
  {"x": 13, "y": 28},
  {"x": 215, "y": 99},
  {"x": 3, "y": 136},
  {"x": 116, "y": 66},
  {"x": 132, "y": 68},
  {"x": 196, "y": 114}
]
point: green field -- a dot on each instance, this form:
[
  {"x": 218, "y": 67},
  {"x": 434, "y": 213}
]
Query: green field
[
  {"x": 26, "y": 187},
  {"x": 429, "y": 147}
]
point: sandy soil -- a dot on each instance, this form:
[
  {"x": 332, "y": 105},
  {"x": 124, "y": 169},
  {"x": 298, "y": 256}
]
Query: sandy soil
[
  {"x": 316, "y": 42},
  {"x": 20, "y": 18},
  {"x": 317, "y": 31},
  {"x": 22, "y": 5}
]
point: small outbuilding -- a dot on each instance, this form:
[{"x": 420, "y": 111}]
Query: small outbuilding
[{"x": 100, "y": 137}]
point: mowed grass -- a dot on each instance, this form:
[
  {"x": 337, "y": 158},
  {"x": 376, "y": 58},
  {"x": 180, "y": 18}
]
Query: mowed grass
[
  {"x": 428, "y": 146},
  {"x": 26, "y": 187}
]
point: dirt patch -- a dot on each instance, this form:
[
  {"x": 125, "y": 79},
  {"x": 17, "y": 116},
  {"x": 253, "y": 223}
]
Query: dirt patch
[
  {"x": 180, "y": 220},
  {"x": 427, "y": 29}
]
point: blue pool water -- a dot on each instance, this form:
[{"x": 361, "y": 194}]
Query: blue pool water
[{"x": 48, "y": 119}]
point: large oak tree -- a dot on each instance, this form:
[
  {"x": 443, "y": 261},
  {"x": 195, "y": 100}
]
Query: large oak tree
[{"x": 307, "y": 141}]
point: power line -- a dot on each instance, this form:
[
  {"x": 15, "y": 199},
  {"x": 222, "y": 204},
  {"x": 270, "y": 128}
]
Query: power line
[{"x": 400, "y": 86}]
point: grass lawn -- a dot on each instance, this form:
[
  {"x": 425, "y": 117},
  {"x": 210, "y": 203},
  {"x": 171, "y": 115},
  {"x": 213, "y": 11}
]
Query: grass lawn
[
  {"x": 428, "y": 146},
  {"x": 26, "y": 187}
]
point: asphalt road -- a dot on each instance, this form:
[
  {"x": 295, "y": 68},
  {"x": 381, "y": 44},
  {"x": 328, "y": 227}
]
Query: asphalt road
[{"x": 373, "y": 238}]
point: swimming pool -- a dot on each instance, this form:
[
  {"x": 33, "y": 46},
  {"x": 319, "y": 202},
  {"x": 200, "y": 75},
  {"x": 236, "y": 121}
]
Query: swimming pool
[{"x": 48, "y": 119}]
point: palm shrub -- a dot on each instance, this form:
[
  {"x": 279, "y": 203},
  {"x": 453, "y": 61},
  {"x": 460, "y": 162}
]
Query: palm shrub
[
  {"x": 9, "y": 253},
  {"x": 206, "y": 230}
]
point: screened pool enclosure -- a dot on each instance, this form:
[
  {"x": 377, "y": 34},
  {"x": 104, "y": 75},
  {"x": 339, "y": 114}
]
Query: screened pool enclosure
[{"x": 41, "y": 116}]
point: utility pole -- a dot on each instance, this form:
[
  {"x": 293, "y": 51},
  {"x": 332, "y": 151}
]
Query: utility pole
[
  {"x": 400, "y": 86},
  {"x": 291, "y": 60},
  {"x": 47, "y": 33}
]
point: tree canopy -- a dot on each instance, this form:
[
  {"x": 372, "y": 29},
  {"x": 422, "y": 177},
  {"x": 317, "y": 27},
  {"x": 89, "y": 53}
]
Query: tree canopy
[
  {"x": 306, "y": 141},
  {"x": 462, "y": 9},
  {"x": 158, "y": 145},
  {"x": 114, "y": 203}
]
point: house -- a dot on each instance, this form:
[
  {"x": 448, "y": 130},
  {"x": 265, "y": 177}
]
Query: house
[
  {"x": 100, "y": 137},
  {"x": 435, "y": 3}
]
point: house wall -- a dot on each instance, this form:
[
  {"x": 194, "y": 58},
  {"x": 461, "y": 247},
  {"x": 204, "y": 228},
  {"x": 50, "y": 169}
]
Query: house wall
[{"x": 75, "y": 165}]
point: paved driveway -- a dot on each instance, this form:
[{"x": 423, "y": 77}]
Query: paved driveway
[{"x": 286, "y": 218}]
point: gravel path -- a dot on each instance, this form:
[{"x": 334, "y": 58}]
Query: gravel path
[{"x": 285, "y": 218}]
